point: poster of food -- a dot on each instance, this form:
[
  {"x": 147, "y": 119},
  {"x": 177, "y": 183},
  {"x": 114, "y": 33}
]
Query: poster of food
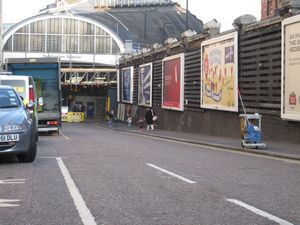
[
  {"x": 173, "y": 82},
  {"x": 127, "y": 85},
  {"x": 145, "y": 85},
  {"x": 219, "y": 74},
  {"x": 290, "y": 104}
]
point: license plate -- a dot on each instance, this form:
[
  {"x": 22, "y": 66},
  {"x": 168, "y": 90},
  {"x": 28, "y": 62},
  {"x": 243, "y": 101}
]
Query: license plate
[{"x": 9, "y": 137}]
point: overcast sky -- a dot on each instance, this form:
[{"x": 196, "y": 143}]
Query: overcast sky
[{"x": 225, "y": 11}]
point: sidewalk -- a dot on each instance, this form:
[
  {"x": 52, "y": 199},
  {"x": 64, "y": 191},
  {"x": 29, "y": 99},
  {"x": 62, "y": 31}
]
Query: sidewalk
[{"x": 277, "y": 149}]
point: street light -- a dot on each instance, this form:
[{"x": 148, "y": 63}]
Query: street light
[
  {"x": 1, "y": 43},
  {"x": 187, "y": 15}
]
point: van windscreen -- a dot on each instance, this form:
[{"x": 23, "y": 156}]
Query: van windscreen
[{"x": 18, "y": 85}]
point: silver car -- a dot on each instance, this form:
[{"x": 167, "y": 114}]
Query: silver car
[{"x": 17, "y": 129}]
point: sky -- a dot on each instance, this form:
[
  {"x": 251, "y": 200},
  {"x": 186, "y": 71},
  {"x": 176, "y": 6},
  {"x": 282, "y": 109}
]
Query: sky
[{"x": 224, "y": 11}]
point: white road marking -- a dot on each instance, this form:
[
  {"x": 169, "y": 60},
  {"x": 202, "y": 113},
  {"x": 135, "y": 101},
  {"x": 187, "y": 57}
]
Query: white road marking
[
  {"x": 260, "y": 212},
  {"x": 65, "y": 136},
  {"x": 47, "y": 157},
  {"x": 84, "y": 213},
  {"x": 7, "y": 203},
  {"x": 172, "y": 174},
  {"x": 12, "y": 181}
]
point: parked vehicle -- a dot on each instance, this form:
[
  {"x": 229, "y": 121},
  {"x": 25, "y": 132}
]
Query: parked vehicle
[
  {"x": 25, "y": 87},
  {"x": 17, "y": 128},
  {"x": 46, "y": 75}
]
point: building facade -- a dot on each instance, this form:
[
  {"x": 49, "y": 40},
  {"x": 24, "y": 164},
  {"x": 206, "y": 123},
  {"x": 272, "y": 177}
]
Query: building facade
[{"x": 269, "y": 7}]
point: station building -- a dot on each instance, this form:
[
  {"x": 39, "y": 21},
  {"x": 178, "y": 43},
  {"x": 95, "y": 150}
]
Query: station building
[{"x": 91, "y": 37}]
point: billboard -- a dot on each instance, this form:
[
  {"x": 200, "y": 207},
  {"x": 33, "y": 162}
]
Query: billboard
[
  {"x": 219, "y": 73},
  {"x": 145, "y": 85},
  {"x": 173, "y": 82},
  {"x": 118, "y": 85},
  {"x": 290, "y": 82},
  {"x": 127, "y": 84}
]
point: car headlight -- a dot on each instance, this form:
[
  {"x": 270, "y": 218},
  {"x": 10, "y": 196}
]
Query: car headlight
[{"x": 9, "y": 128}]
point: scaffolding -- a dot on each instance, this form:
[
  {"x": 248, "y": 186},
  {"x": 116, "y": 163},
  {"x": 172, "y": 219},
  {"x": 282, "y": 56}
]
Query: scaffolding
[{"x": 88, "y": 76}]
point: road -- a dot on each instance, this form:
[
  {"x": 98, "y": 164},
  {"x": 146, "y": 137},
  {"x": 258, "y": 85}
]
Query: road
[{"x": 93, "y": 175}]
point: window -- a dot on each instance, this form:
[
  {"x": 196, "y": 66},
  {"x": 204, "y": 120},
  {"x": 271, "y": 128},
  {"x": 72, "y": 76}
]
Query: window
[{"x": 65, "y": 35}]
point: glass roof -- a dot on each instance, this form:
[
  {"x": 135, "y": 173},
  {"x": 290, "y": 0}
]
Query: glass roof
[{"x": 126, "y": 3}]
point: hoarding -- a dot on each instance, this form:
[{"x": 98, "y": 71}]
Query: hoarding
[
  {"x": 127, "y": 84},
  {"x": 173, "y": 82},
  {"x": 118, "y": 85},
  {"x": 290, "y": 96},
  {"x": 219, "y": 73},
  {"x": 145, "y": 85}
]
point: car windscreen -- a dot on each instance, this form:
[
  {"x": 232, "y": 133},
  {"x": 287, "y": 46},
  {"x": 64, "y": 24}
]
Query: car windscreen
[
  {"x": 18, "y": 85},
  {"x": 9, "y": 98}
]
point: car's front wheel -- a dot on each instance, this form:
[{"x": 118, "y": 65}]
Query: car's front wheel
[{"x": 30, "y": 155}]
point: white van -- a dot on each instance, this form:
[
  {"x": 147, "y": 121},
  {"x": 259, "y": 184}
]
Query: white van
[{"x": 24, "y": 86}]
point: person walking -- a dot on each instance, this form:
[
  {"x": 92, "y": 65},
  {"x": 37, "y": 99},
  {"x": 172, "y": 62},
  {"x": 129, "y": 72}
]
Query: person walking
[
  {"x": 149, "y": 118},
  {"x": 141, "y": 123}
]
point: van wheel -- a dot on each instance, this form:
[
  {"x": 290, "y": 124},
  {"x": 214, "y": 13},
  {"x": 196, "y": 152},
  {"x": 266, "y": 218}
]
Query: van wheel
[{"x": 29, "y": 156}]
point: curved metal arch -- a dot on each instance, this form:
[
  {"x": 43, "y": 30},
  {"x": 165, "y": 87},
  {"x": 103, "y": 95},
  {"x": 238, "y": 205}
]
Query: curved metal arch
[{"x": 28, "y": 21}]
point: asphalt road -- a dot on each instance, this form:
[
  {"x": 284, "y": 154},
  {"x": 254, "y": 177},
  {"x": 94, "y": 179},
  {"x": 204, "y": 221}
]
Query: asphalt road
[{"x": 93, "y": 175}]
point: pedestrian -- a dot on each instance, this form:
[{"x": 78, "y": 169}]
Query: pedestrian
[
  {"x": 111, "y": 118},
  {"x": 81, "y": 108},
  {"x": 129, "y": 121},
  {"x": 75, "y": 109},
  {"x": 149, "y": 118},
  {"x": 141, "y": 123}
]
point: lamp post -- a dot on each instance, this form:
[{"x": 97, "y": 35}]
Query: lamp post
[
  {"x": 1, "y": 42},
  {"x": 187, "y": 15}
]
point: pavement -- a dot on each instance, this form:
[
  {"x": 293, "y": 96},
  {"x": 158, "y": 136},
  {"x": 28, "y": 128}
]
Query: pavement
[{"x": 273, "y": 148}]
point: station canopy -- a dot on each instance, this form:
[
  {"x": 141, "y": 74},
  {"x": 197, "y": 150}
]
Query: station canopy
[{"x": 90, "y": 36}]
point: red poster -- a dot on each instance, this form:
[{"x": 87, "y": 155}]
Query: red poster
[{"x": 172, "y": 83}]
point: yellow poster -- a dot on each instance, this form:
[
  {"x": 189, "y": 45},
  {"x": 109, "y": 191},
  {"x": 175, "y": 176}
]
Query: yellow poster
[
  {"x": 219, "y": 73},
  {"x": 290, "y": 107}
]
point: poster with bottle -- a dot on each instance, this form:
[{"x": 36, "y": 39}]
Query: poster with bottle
[
  {"x": 127, "y": 84},
  {"x": 219, "y": 75},
  {"x": 145, "y": 85},
  {"x": 290, "y": 104}
]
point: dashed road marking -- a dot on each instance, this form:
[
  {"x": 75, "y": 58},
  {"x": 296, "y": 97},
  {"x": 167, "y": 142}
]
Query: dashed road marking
[
  {"x": 8, "y": 203},
  {"x": 12, "y": 181},
  {"x": 260, "y": 212},
  {"x": 172, "y": 174}
]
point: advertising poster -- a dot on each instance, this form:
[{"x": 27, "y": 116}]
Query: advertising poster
[
  {"x": 127, "y": 87},
  {"x": 219, "y": 74},
  {"x": 173, "y": 82},
  {"x": 118, "y": 85},
  {"x": 145, "y": 85},
  {"x": 290, "y": 104}
]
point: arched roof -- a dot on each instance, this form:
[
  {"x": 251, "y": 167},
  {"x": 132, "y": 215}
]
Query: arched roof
[
  {"x": 157, "y": 22},
  {"x": 46, "y": 16}
]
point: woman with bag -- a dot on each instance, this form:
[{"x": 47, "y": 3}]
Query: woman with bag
[{"x": 150, "y": 117}]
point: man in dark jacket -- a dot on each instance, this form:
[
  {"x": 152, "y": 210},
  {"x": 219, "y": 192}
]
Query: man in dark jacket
[{"x": 149, "y": 118}]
